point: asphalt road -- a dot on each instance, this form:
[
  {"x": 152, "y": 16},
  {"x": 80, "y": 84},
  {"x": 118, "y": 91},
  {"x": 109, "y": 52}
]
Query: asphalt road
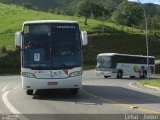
[{"x": 99, "y": 98}]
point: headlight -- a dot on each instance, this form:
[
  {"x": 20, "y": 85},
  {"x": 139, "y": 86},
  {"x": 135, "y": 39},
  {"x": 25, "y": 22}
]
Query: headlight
[
  {"x": 27, "y": 74},
  {"x": 76, "y": 73}
]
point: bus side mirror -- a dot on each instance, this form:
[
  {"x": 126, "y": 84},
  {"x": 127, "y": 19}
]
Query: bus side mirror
[
  {"x": 84, "y": 37},
  {"x": 18, "y": 39}
]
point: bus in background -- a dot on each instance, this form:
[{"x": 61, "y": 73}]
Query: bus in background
[
  {"x": 51, "y": 55},
  {"x": 119, "y": 65}
]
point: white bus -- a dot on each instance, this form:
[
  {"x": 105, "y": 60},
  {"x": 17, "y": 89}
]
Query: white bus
[
  {"x": 51, "y": 55},
  {"x": 119, "y": 65}
]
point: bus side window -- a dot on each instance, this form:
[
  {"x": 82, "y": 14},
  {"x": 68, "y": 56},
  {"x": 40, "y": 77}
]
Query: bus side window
[
  {"x": 151, "y": 61},
  {"x": 114, "y": 61}
]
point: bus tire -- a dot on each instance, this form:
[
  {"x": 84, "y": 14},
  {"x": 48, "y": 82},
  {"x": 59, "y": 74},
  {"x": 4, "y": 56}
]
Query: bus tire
[
  {"x": 29, "y": 92},
  {"x": 119, "y": 74},
  {"x": 144, "y": 74},
  {"x": 106, "y": 76},
  {"x": 132, "y": 77},
  {"x": 73, "y": 91}
]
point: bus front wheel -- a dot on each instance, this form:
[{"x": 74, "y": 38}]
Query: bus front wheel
[
  {"x": 106, "y": 76},
  {"x": 119, "y": 74},
  {"x": 29, "y": 92},
  {"x": 73, "y": 91}
]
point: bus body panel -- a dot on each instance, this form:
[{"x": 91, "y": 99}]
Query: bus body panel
[
  {"x": 33, "y": 83},
  {"x": 44, "y": 80},
  {"x": 127, "y": 71},
  {"x": 128, "y": 67},
  {"x": 134, "y": 69}
]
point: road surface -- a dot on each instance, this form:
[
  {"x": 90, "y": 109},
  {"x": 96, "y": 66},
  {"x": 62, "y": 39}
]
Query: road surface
[{"x": 97, "y": 98}]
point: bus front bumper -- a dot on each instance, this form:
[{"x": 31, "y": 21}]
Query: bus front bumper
[
  {"x": 104, "y": 73},
  {"x": 33, "y": 83}
]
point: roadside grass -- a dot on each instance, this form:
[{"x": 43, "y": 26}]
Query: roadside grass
[
  {"x": 157, "y": 61},
  {"x": 151, "y": 82}
]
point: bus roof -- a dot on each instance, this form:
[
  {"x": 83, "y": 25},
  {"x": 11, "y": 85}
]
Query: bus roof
[
  {"x": 112, "y": 54},
  {"x": 49, "y": 21}
]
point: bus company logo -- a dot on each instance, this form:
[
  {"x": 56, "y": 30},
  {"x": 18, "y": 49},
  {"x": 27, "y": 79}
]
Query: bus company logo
[
  {"x": 59, "y": 72},
  {"x": 55, "y": 73},
  {"x": 51, "y": 72},
  {"x": 65, "y": 71}
]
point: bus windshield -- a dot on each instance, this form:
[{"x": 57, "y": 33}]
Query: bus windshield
[
  {"x": 51, "y": 46},
  {"x": 104, "y": 62}
]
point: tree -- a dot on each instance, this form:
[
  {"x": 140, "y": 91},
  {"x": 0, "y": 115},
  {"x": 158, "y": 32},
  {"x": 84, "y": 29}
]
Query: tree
[
  {"x": 128, "y": 13},
  {"x": 87, "y": 9},
  {"x": 27, "y": 5},
  {"x": 155, "y": 22},
  {"x": 98, "y": 10},
  {"x": 57, "y": 11},
  {"x": 84, "y": 9}
]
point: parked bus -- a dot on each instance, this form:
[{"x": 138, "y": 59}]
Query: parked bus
[
  {"x": 51, "y": 55},
  {"x": 119, "y": 65}
]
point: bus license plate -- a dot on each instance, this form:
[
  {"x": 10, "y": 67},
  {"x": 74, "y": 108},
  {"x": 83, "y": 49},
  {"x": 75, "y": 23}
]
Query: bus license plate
[{"x": 52, "y": 83}]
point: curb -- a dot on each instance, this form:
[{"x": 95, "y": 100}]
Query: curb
[
  {"x": 148, "y": 86},
  {"x": 152, "y": 87}
]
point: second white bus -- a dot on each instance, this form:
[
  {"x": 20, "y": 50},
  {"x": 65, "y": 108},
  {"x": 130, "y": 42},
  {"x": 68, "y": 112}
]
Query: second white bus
[{"x": 119, "y": 65}]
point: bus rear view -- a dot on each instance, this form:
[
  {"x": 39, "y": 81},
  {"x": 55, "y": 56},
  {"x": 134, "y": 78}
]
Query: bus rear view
[{"x": 51, "y": 55}]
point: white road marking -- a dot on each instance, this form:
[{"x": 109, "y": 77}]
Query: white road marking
[
  {"x": 8, "y": 104},
  {"x": 124, "y": 105},
  {"x": 5, "y": 88},
  {"x": 130, "y": 84},
  {"x": 11, "y": 108}
]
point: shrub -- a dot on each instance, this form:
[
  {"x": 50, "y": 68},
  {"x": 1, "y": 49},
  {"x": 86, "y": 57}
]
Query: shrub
[{"x": 3, "y": 49}]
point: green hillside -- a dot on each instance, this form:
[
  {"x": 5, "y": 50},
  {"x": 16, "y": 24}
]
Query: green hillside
[
  {"x": 70, "y": 6},
  {"x": 45, "y": 5},
  {"x": 103, "y": 36},
  {"x": 13, "y": 16}
]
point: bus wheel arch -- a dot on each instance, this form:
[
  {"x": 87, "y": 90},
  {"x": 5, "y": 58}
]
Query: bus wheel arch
[{"x": 119, "y": 74}]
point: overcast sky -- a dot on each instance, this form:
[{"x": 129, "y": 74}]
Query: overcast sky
[{"x": 148, "y": 1}]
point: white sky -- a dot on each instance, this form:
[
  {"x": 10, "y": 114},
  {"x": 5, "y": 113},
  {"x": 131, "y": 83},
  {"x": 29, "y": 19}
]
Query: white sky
[{"x": 147, "y": 1}]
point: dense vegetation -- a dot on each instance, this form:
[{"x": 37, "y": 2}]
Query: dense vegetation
[
  {"x": 103, "y": 36},
  {"x": 68, "y": 6},
  {"x": 13, "y": 16},
  {"x": 120, "y": 43},
  {"x": 94, "y": 8}
]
